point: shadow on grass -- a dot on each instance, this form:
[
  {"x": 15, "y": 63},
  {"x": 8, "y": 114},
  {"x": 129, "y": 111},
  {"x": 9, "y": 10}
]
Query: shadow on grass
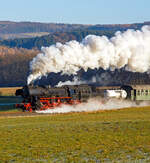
[
  {"x": 9, "y": 108},
  {"x": 7, "y": 103}
]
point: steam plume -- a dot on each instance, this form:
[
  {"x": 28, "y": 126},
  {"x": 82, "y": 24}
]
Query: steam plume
[{"x": 130, "y": 48}]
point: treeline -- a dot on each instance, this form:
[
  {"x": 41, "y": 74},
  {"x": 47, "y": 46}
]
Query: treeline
[
  {"x": 7, "y": 27},
  {"x": 118, "y": 27},
  {"x": 14, "y": 65},
  {"x": 50, "y": 39}
]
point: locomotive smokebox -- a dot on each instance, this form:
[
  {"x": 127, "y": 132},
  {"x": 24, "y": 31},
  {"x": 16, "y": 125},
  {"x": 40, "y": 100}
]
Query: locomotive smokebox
[{"x": 19, "y": 92}]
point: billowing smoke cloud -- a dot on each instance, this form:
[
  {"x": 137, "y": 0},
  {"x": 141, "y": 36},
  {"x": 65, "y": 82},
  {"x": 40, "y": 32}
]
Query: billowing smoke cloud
[
  {"x": 95, "y": 104},
  {"x": 130, "y": 48}
]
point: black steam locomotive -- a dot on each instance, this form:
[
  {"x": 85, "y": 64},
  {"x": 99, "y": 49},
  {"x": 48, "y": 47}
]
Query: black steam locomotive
[{"x": 46, "y": 97}]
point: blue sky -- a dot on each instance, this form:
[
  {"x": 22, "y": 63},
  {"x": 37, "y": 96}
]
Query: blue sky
[{"x": 76, "y": 11}]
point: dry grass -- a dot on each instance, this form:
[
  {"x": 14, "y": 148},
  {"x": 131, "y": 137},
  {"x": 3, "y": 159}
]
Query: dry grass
[{"x": 8, "y": 91}]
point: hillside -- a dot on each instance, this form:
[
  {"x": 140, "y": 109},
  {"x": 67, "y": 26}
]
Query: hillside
[
  {"x": 28, "y": 27},
  {"x": 38, "y": 42},
  {"x": 36, "y": 35},
  {"x": 14, "y": 65},
  {"x": 11, "y": 30}
]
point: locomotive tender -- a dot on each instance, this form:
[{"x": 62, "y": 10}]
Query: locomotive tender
[{"x": 46, "y": 97}]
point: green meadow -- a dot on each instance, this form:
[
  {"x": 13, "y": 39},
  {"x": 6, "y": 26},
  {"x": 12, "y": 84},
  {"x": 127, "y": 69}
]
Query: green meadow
[{"x": 108, "y": 136}]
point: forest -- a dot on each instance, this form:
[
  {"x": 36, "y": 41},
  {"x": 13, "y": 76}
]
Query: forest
[
  {"x": 38, "y": 42},
  {"x": 57, "y": 32}
]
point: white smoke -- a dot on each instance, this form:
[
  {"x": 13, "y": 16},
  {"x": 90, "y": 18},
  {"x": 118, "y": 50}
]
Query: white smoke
[
  {"x": 130, "y": 48},
  {"x": 75, "y": 81},
  {"x": 96, "y": 104}
]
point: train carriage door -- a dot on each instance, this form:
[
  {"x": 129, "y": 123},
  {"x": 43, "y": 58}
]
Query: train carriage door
[
  {"x": 134, "y": 94},
  {"x": 79, "y": 95}
]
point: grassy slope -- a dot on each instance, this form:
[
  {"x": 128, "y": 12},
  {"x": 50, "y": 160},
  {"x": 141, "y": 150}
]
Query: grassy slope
[{"x": 115, "y": 136}]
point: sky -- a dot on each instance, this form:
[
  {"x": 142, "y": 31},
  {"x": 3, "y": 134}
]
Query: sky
[{"x": 76, "y": 11}]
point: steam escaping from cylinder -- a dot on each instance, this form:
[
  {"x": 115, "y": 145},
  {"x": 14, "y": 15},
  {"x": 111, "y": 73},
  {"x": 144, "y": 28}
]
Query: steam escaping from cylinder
[
  {"x": 130, "y": 49},
  {"x": 95, "y": 104}
]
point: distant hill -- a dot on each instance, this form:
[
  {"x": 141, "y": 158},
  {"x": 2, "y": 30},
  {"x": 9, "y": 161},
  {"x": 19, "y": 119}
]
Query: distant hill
[
  {"x": 10, "y": 29},
  {"x": 36, "y": 35},
  {"x": 118, "y": 27},
  {"x": 47, "y": 40}
]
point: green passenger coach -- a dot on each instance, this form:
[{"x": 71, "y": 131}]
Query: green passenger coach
[{"x": 140, "y": 92}]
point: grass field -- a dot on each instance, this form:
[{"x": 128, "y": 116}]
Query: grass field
[{"x": 108, "y": 136}]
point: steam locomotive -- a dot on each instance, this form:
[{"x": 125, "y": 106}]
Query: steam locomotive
[{"x": 46, "y": 97}]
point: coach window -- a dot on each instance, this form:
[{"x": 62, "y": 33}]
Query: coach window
[
  {"x": 138, "y": 92},
  {"x": 142, "y": 92}
]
